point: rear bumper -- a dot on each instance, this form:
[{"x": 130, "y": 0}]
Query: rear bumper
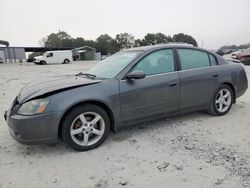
[
  {"x": 242, "y": 85},
  {"x": 241, "y": 92},
  {"x": 35, "y": 129}
]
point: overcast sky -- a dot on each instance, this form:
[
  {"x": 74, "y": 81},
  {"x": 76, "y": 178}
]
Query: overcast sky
[{"x": 215, "y": 22}]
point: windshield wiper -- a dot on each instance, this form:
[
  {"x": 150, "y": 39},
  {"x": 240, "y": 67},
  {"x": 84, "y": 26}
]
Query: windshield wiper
[{"x": 86, "y": 74}]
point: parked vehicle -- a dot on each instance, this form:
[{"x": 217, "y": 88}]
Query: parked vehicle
[
  {"x": 54, "y": 57},
  {"x": 220, "y": 52},
  {"x": 132, "y": 86},
  {"x": 235, "y": 54},
  {"x": 103, "y": 57},
  {"x": 228, "y": 51},
  {"x": 30, "y": 60},
  {"x": 244, "y": 57}
]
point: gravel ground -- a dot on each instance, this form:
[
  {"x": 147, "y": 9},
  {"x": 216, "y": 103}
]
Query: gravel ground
[{"x": 192, "y": 150}]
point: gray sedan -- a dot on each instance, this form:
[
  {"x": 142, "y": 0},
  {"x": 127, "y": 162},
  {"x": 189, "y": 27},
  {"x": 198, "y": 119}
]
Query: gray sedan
[{"x": 130, "y": 87}]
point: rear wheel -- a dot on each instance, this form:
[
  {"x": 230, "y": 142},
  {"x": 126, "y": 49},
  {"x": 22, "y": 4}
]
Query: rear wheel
[
  {"x": 85, "y": 127},
  {"x": 222, "y": 101},
  {"x": 66, "y": 61}
]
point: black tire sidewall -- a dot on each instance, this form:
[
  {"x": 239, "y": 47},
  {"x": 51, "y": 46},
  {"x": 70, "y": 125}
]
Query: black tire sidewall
[
  {"x": 69, "y": 118},
  {"x": 214, "y": 98},
  {"x": 66, "y": 61},
  {"x": 43, "y": 62}
]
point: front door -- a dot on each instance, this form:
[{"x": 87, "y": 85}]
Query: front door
[
  {"x": 156, "y": 94},
  {"x": 50, "y": 58}
]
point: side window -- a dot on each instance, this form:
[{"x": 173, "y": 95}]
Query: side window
[
  {"x": 161, "y": 61},
  {"x": 50, "y": 54},
  {"x": 212, "y": 60},
  {"x": 191, "y": 59}
]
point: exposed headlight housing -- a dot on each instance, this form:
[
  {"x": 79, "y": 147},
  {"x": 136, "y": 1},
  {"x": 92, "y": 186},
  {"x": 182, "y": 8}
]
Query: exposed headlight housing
[{"x": 33, "y": 107}]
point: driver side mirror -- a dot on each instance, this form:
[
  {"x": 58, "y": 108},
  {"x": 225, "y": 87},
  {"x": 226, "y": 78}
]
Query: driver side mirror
[{"x": 137, "y": 74}]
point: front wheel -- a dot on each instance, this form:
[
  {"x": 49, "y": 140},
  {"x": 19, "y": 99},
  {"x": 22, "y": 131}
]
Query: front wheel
[
  {"x": 222, "y": 101},
  {"x": 85, "y": 127},
  {"x": 43, "y": 62}
]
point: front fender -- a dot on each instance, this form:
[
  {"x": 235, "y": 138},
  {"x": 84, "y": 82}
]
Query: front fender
[{"x": 105, "y": 93}]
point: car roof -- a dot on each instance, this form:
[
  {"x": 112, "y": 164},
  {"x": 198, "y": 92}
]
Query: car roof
[
  {"x": 160, "y": 46},
  {"x": 148, "y": 49}
]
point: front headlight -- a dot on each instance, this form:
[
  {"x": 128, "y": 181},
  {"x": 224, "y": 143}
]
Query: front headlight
[{"x": 33, "y": 107}]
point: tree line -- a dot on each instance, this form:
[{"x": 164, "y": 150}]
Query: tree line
[
  {"x": 105, "y": 44},
  {"x": 235, "y": 47}
]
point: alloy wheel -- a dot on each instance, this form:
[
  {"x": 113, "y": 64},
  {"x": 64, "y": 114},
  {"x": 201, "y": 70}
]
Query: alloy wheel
[
  {"x": 87, "y": 128},
  {"x": 223, "y": 100}
]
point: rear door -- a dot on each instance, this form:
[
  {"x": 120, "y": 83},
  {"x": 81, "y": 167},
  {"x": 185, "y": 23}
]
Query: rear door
[
  {"x": 158, "y": 93},
  {"x": 199, "y": 74}
]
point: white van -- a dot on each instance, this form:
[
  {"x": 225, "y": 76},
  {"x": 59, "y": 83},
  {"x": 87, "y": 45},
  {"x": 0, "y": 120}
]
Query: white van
[{"x": 55, "y": 57}]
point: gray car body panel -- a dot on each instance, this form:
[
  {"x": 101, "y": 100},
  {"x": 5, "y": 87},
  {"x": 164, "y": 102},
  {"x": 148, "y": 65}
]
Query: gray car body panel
[
  {"x": 153, "y": 95},
  {"x": 204, "y": 81},
  {"x": 129, "y": 101},
  {"x": 46, "y": 128},
  {"x": 37, "y": 89}
]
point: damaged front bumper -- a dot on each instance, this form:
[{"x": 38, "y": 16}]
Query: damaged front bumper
[{"x": 33, "y": 129}]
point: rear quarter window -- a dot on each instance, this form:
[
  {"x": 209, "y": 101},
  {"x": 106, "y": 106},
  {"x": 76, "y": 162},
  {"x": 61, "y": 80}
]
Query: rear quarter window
[{"x": 192, "y": 59}]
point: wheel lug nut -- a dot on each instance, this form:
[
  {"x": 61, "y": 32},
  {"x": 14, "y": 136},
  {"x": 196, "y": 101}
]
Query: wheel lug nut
[{"x": 91, "y": 129}]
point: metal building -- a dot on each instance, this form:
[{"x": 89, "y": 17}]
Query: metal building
[
  {"x": 17, "y": 54},
  {"x": 84, "y": 53},
  {"x": 12, "y": 54}
]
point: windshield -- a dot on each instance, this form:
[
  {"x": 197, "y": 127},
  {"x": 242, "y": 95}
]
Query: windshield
[
  {"x": 45, "y": 54},
  {"x": 113, "y": 65}
]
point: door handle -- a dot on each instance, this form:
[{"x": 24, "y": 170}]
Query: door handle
[
  {"x": 215, "y": 75},
  {"x": 173, "y": 84}
]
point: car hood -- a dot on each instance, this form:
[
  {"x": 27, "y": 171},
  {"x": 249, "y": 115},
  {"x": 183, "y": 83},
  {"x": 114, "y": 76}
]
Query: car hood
[
  {"x": 38, "y": 57},
  {"x": 51, "y": 86}
]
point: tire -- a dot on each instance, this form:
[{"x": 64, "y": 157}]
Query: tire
[
  {"x": 219, "y": 106},
  {"x": 43, "y": 62},
  {"x": 80, "y": 123},
  {"x": 66, "y": 61}
]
